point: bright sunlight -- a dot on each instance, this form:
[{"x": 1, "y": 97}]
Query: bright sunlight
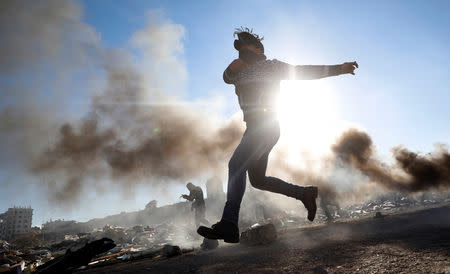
[{"x": 308, "y": 114}]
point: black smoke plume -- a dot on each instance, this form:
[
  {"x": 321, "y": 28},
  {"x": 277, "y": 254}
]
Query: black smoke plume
[{"x": 411, "y": 173}]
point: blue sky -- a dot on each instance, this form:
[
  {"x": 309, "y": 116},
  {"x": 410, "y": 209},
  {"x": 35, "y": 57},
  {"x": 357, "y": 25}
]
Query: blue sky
[{"x": 400, "y": 94}]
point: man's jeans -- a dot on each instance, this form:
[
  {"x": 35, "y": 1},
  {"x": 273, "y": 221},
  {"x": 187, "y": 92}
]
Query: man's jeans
[{"x": 252, "y": 155}]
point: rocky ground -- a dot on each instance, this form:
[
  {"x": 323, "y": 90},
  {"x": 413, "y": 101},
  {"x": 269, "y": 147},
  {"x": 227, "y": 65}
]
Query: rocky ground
[{"x": 412, "y": 242}]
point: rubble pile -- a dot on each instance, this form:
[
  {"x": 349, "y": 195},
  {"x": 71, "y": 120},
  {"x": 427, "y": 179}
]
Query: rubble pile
[
  {"x": 78, "y": 258},
  {"x": 384, "y": 205},
  {"x": 100, "y": 246}
]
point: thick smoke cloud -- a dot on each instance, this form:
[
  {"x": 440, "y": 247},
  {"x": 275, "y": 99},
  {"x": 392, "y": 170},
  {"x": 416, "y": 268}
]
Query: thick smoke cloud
[
  {"x": 36, "y": 32},
  {"x": 180, "y": 149},
  {"x": 411, "y": 173},
  {"x": 132, "y": 136},
  {"x": 135, "y": 130},
  {"x": 353, "y": 170},
  {"x": 44, "y": 47}
]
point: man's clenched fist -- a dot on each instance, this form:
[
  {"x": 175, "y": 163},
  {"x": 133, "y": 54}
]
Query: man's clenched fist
[{"x": 349, "y": 67}]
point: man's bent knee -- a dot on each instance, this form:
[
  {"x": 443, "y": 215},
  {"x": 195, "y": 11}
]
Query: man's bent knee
[{"x": 258, "y": 182}]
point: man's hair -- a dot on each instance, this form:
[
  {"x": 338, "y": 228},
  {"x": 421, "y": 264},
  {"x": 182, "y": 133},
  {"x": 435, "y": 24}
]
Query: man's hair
[{"x": 247, "y": 37}]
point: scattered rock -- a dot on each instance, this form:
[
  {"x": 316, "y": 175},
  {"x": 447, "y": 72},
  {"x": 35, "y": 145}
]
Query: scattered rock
[
  {"x": 209, "y": 244},
  {"x": 319, "y": 270},
  {"x": 262, "y": 234},
  {"x": 171, "y": 250}
]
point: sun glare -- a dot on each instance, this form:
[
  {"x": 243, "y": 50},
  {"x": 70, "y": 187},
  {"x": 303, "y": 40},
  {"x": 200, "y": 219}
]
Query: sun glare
[{"x": 307, "y": 114}]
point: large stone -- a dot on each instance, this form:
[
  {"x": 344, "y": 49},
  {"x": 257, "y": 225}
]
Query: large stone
[
  {"x": 209, "y": 244},
  {"x": 261, "y": 234},
  {"x": 171, "y": 250}
]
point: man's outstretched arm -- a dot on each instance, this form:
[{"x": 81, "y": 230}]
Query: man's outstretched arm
[
  {"x": 311, "y": 72},
  {"x": 316, "y": 72}
]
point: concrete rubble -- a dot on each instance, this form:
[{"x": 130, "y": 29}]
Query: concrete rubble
[
  {"x": 121, "y": 244},
  {"x": 384, "y": 205}
]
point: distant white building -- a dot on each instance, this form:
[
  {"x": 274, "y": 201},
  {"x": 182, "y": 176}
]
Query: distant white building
[{"x": 16, "y": 220}]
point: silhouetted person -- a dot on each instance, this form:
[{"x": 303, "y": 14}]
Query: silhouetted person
[
  {"x": 257, "y": 85},
  {"x": 198, "y": 205}
]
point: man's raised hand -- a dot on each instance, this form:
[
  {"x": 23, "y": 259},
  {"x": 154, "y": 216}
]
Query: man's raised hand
[{"x": 349, "y": 67}]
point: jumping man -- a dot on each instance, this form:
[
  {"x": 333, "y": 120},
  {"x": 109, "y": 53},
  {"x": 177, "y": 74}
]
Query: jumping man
[{"x": 257, "y": 85}]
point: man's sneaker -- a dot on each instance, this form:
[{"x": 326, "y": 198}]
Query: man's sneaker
[
  {"x": 223, "y": 230},
  {"x": 309, "y": 197}
]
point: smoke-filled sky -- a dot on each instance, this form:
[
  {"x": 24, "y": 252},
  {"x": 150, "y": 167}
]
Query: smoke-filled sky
[{"x": 108, "y": 105}]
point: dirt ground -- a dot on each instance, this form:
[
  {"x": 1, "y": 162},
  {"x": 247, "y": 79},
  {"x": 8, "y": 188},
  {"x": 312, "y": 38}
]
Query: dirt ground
[{"x": 414, "y": 242}]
